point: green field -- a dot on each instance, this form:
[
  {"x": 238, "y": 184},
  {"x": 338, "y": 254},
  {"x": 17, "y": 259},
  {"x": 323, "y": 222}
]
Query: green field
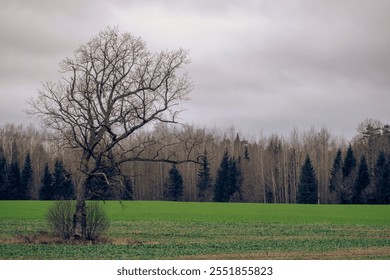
[{"x": 184, "y": 230}]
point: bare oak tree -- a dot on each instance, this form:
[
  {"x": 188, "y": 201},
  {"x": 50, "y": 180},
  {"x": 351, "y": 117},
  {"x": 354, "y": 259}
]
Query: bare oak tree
[{"x": 113, "y": 89}]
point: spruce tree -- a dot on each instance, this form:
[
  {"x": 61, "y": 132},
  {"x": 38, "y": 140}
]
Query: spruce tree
[
  {"x": 382, "y": 179},
  {"x": 234, "y": 181},
  {"x": 174, "y": 190},
  {"x": 222, "y": 181},
  {"x": 308, "y": 186},
  {"x": 336, "y": 179},
  {"x": 228, "y": 182},
  {"x": 204, "y": 181},
  {"x": 386, "y": 188},
  {"x": 349, "y": 166},
  {"x": 62, "y": 184},
  {"x": 362, "y": 182},
  {"x": 14, "y": 181},
  {"x": 27, "y": 178},
  {"x": 3, "y": 176},
  {"x": 47, "y": 191},
  {"x": 349, "y": 162}
]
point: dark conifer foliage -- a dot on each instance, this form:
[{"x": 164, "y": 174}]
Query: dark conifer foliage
[
  {"x": 234, "y": 181},
  {"x": 102, "y": 185},
  {"x": 308, "y": 186},
  {"x": 228, "y": 182},
  {"x": 27, "y": 178},
  {"x": 361, "y": 183},
  {"x": 349, "y": 171},
  {"x": 204, "y": 180},
  {"x": 349, "y": 162},
  {"x": 385, "y": 191},
  {"x": 336, "y": 179},
  {"x": 14, "y": 181},
  {"x": 222, "y": 181},
  {"x": 382, "y": 179},
  {"x": 62, "y": 183},
  {"x": 47, "y": 191},
  {"x": 175, "y": 186},
  {"x": 3, "y": 175}
]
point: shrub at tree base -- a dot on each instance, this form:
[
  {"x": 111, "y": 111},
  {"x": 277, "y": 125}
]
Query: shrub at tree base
[
  {"x": 97, "y": 221},
  {"x": 60, "y": 220}
]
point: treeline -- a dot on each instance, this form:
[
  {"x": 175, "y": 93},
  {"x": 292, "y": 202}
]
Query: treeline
[{"x": 306, "y": 167}]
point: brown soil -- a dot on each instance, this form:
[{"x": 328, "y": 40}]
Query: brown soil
[{"x": 356, "y": 253}]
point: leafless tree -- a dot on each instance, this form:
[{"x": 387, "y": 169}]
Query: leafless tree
[{"x": 113, "y": 88}]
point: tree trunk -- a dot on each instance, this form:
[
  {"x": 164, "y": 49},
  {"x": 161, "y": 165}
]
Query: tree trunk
[
  {"x": 80, "y": 216},
  {"x": 79, "y": 220}
]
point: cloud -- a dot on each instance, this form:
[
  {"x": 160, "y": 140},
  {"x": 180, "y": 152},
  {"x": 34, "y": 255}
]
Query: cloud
[{"x": 260, "y": 65}]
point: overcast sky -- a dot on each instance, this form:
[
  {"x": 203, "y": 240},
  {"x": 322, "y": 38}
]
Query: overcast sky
[{"x": 262, "y": 66}]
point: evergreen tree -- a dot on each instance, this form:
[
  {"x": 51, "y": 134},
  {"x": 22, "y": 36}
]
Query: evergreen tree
[
  {"x": 362, "y": 181},
  {"x": 308, "y": 186},
  {"x": 385, "y": 192},
  {"x": 336, "y": 179},
  {"x": 222, "y": 181},
  {"x": 349, "y": 172},
  {"x": 234, "y": 181},
  {"x": 27, "y": 178},
  {"x": 174, "y": 190},
  {"x": 62, "y": 184},
  {"x": 3, "y": 176},
  {"x": 47, "y": 191},
  {"x": 228, "y": 182},
  {"x": 14, "y": 181},
  {"x": 349, "y": 162},
  {"x": 382, "y": 179},
  {"x": 204, "y": 181}
]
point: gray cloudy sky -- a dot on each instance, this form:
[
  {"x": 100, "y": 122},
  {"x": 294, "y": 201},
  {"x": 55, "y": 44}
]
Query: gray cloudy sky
[{"x": 262, "y": 66}]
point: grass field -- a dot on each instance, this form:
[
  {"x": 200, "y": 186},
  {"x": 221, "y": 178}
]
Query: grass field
[{"x": 174, "y": 230}]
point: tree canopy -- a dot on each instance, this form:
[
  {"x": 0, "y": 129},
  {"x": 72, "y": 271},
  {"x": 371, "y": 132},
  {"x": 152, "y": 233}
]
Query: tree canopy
[{"x": 112, "y": 88}]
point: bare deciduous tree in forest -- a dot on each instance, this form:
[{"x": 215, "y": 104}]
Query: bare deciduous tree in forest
[{"x": 112, "y": 88}]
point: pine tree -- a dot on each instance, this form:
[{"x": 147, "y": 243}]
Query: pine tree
[
  {"x": 349, "y": 166},
  {"x": 336, "y": 179},
  {"x": 222, "y": 181},
  {"x": 27, "y": 178},
  {"x": 308, "y": 186},
  {"x": 62, "y": 184},
  {"x": 204, "y": 181},
  {"x": 382, "y": 179},
  {"x": 174, "y": 190},
  {"x": 47, "y": 191},
  {"x": 362, "y": 181}
]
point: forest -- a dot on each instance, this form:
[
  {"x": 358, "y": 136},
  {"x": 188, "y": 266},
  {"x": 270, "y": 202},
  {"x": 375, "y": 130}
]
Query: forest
[{"x": 313, "y": 166}]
